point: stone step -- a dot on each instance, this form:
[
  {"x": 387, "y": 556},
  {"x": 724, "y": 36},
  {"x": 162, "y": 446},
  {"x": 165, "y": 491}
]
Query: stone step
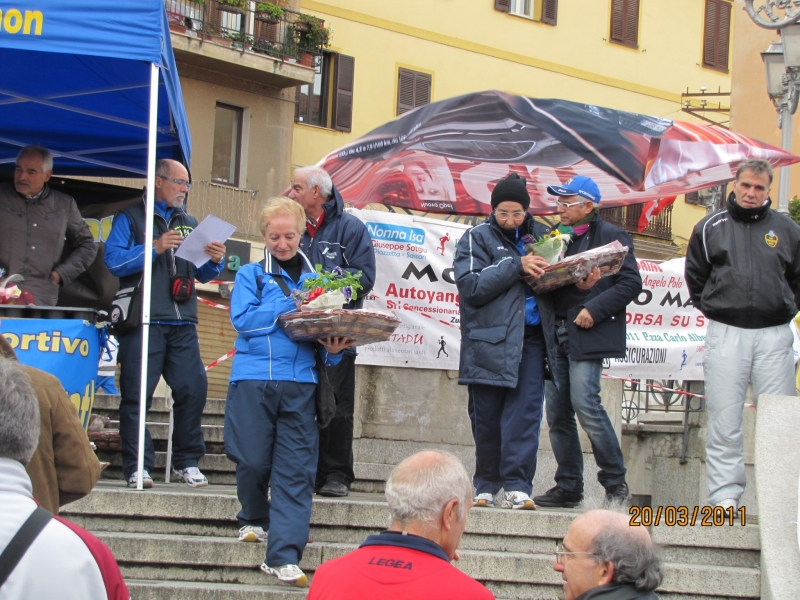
[
  {"x": 106, "y": 405},
  {"x": 190, "y": 535},
  {"x": 143, "y": 589}
]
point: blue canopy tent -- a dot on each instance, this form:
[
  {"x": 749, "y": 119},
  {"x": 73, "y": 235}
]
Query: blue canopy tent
[{"x": 83, "y": 78}]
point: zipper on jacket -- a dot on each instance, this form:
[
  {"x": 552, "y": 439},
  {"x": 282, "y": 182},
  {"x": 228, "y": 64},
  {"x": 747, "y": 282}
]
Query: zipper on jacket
[
  {"x": 750, "y": 266},
  {"x": 175, "y": 304}
]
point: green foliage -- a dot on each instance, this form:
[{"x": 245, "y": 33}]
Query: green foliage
[
  {"x": 794, "y": 209},
  {"x": 273, "y": 10},
  {"x": 238, "y": 3},
  {"x": 328, "y": 281},
  {"x": 312, "y": 33}
]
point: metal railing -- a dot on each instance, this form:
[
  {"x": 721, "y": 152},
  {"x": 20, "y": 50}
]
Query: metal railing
[
  {"x": 244, "y": 28},
  {"x": 238, "y": 207},
  {"x": 628, "y": 217}
]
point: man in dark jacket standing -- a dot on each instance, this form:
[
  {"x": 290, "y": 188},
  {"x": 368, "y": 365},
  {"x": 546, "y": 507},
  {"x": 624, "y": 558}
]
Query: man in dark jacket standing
[
  {"x": 590, "y": 326},
  {"x": 35, "y": 222},
  {"x": 334, "y": 238},
  {"x": 743, "y": 273},
  {"x": 173, "y": 350}
]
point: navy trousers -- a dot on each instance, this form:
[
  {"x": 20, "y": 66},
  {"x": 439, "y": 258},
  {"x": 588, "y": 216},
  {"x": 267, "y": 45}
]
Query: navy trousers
[
  {"x": 506, "y": 423},
  {"x": 336, "y": 440},
  {"x": 271, "y": 434},
  {"x": 174, "y": 352}
]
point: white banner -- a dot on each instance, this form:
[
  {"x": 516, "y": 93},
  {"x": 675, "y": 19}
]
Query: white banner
[
  {"x": 665, "y": 332},
  {"x": 414, "y": 259}
]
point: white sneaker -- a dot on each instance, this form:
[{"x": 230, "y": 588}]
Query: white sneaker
[
  {"x": 485, "y": 499},
  {"x": 729, "y": 503},
  {"x": 517, "y": 501},
  {"x": 192, "y": 476},
  {"x": 252, "y": 533},
  {"x": 290, "y": 574},
  {"x": 147, "y": 481}
]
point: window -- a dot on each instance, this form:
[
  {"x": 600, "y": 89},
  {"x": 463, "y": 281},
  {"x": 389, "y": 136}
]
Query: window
[
  {"x": 522, "y": 8},
  {"x": 625, "y": 22},
  {"x": 227, "y": 144},
  {"x": 545, "y": 11},
  {"x": 328, "y": 102},
  {"x": 717, "y": 34},
  {"x": 413, "y": 90}
]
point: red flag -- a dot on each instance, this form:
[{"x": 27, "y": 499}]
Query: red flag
[{"x": 651, "y": 209}]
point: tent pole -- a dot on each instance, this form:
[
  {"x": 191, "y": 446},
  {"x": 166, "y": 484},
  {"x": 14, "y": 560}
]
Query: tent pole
[{"x": 148, "y": 264}]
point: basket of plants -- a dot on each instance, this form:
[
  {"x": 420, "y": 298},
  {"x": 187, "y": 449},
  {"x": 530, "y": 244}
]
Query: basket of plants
[
  {"x": 321, "y": 314},
  {"x": 576, "y": 267}
]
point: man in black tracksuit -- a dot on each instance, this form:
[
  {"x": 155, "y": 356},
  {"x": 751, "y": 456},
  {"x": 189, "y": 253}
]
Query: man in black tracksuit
[
  {"x": 743, "y": 273},
  {"x": 590, "y": 326},
  {"x": 334, "y": 238}
]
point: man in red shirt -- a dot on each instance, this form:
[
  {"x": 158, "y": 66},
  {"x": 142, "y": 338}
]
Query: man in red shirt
[{"x": 429, "y": 496}]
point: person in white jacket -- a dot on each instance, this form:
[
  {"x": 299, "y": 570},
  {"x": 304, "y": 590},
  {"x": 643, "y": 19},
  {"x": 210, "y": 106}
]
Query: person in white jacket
[{"x": 63, "y": 561}]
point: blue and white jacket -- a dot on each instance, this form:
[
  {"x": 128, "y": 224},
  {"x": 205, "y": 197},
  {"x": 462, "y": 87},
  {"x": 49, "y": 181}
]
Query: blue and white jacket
[{"x": 263, "y": 350}]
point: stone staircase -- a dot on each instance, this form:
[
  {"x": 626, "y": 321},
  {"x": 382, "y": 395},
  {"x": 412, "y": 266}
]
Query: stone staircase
[{"x": 175, "y": 542}]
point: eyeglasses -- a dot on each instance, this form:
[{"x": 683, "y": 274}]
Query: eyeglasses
[
  {"x": 561, "y": 553},
  {"x": 503, "y": 215},
  {"x": 180, "y": 182},
  {"x": 560, "y": 204}
]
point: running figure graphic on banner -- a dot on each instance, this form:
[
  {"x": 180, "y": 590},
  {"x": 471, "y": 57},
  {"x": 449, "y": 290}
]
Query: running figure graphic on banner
[
  {"x": 442, "y": 344},
  {"x": 443, "y": 241}
]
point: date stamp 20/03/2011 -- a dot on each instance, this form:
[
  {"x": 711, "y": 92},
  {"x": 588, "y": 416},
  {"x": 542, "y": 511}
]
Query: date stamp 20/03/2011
[{"x": 682, "y": 516}]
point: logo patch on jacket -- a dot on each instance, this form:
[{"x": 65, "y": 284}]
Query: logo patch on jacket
[{"x": 771, "y": 238}]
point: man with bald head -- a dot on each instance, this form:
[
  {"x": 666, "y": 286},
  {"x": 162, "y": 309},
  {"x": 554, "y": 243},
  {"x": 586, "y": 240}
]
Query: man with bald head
[
  {"x": 429, "y": 495},
  {"x": 173, "y": 350},
  {"x": 603, "y": 557}
]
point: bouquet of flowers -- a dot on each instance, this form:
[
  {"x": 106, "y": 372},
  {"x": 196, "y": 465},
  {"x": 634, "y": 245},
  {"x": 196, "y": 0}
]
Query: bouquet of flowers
[
  {"x": 327, "y": 289},
  {"x": 550, "y": 247},
  {"x": 11, "y": 294}
]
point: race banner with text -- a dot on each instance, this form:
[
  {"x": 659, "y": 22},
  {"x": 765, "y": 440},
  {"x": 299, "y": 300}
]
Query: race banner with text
[
  {"x": 665, "y": 332},
  {"x": 414, "y": 259},
  {"x": 69, "y": 349}
]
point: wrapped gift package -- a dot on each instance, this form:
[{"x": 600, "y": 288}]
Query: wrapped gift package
[
  {"x": 575, "y": 268},
  {"x": 366, "y": 326}
]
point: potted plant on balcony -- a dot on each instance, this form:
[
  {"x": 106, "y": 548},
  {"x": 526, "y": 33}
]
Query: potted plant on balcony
[
  {"x": 312, "y": 35},
  {"x": 241, "y": 41},
  {"x": 268, "y": 12},
  {"x": 236, "y": 7}
]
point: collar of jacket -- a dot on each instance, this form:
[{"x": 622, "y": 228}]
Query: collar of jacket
[
  {"x": 161, "y": 208},
  {"x": 272, "y": 267},
  {"x": 43, "y": 193},
  {"x": 616, "y": 591},
  {"x": 747, "y": 215},
  {"x": 333, "y": 207},
  {"x": 406, "y": 540},
  {"x": 526, "y": 228}
]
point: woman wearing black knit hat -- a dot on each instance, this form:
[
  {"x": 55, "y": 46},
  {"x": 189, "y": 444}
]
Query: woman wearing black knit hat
[{"x": 503, "y": 346}]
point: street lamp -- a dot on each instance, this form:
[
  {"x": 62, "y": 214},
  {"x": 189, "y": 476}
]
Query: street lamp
[{"x": 782, "y": 65}]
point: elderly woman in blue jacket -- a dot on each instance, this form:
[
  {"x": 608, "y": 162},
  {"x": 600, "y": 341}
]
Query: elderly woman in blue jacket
[
  {"x": 506, "y": 333},
  {"x": 270, "y": 414}
]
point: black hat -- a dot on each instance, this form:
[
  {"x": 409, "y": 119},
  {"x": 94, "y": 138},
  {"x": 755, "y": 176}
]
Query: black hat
[{"x": 513, "y": 189}]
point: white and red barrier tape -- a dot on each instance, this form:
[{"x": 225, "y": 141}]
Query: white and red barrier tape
[
  {"x": 440, "y": 321},
  {"x": 665, "y": 389},
  {"x": 214, "y": 304},
  {"x": 221, "y": 359}
]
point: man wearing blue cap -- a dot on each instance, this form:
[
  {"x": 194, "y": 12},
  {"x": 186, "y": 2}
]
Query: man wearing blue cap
[{"x": 590, "y": 326}]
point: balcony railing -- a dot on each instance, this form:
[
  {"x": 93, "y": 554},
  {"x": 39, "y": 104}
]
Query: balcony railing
[
  {"x": 243, "y": 29},
  {"x": 628, "y": 217},
  {"x": 236, "y": 206}
]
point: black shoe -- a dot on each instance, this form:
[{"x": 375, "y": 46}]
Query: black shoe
[
  {"x": 617, "y": 494},
  {"x": 557, "y": 497},
  {"x": 334, "y": 489}
]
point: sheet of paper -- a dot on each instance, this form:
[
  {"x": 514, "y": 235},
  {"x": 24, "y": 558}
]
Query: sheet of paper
[{"x": 212, "y": 229}]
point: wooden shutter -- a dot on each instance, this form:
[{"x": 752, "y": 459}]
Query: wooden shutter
[
  {"x": 502, "y": 5},
  {"x": 625, "y": 22},
  {"x": 343, "y": 98},
  {"x": 716, "y": 34},
  {"x": 413, "y": 90},
  {"x": 549, "y": 11}
]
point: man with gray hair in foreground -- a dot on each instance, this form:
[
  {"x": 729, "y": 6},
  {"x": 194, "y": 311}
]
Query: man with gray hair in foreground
[
  {"x": 429, "y": 495},
  {"x": 41, "y": 556},
  {"x": 603, "y": 557}
]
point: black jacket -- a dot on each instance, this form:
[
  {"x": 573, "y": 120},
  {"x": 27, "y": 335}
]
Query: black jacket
[
  {"x": 488, "y": 267},
  {"x": 616, "y": 591},
  {"x": 744, "y": 270},
  {"x": 606, "y": 301}
]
